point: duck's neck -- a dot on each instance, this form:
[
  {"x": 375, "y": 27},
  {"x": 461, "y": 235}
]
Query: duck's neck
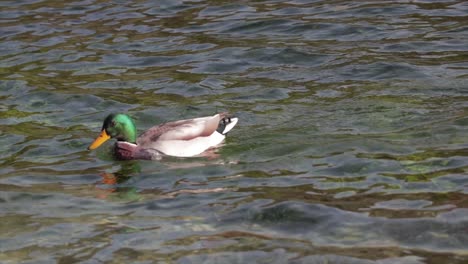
[
  {"x": 129, "y": 135},
  {"x": 128, "y": 130}
]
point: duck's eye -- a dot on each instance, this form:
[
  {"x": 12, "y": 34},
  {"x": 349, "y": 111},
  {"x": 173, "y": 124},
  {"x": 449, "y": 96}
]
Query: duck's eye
[{"x": 112, "y": 124}]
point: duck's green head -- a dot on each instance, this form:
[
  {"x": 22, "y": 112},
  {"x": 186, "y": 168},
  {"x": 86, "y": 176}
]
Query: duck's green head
[{"x": 117, "y": 126}]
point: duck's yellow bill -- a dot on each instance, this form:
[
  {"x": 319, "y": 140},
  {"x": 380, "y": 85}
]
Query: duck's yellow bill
[{"x": 103, "y": 137}]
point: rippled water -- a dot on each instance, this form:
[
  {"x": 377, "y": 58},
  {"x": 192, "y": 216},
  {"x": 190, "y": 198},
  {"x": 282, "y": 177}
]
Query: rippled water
[{"x": 352, "y": 143}]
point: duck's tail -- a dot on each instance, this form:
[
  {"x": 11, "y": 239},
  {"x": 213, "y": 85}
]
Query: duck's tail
[{"x": 227, "y": 123}]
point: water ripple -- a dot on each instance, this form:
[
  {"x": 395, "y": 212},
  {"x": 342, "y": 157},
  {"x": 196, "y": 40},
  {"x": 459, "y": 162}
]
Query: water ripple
[{"x": 351, "y": 146}]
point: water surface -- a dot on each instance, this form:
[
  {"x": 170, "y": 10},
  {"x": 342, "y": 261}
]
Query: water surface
[{"x": 352, "y": 143}]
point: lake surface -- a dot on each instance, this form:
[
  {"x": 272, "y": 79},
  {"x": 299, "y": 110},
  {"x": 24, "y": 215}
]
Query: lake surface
[{"x": 352, "y": 144}]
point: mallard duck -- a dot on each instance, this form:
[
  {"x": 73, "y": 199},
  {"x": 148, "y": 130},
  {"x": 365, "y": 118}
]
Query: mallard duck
[{"x": 183, "y": 138}]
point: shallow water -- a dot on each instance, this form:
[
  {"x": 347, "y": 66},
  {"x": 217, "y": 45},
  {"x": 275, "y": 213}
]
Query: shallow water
[{"x": 352, "y": 143}]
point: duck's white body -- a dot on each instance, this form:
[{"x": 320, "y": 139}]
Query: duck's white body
[{"x": 183, "y": 138}]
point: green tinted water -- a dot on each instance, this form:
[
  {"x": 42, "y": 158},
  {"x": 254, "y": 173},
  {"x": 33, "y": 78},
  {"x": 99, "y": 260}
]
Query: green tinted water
[{"x": 351, "y": 145}]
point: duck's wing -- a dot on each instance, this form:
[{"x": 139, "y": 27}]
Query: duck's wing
[{"x": 181, "y": 130}]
